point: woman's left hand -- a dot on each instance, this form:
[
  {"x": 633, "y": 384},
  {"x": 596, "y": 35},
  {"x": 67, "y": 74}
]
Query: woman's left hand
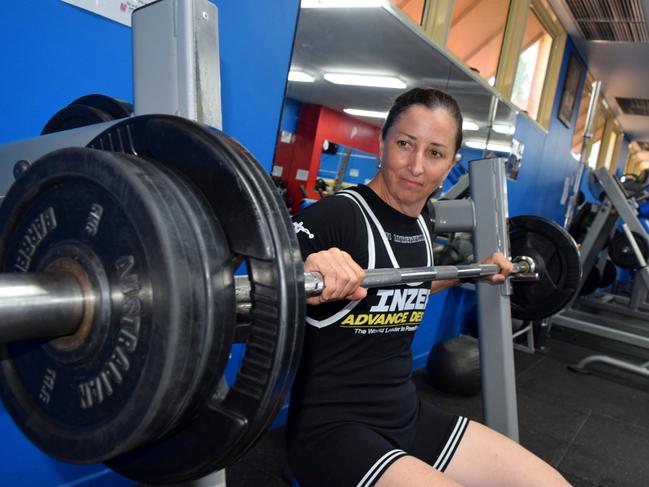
[{"x": 505, "y": 268}]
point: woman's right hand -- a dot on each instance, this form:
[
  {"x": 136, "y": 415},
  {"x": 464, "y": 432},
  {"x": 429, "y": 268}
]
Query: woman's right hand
[{"x": 342, "y": 276}]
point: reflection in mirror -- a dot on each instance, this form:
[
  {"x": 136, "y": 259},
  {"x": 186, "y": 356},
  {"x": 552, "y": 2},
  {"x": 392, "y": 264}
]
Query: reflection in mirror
[
  {"x": 342, "y": 166},
  {"x": 348, "y": 66}
]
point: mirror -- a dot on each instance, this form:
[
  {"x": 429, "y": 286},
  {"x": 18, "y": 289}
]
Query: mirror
[
  {"x": 342, "y": 166},
  {"x": 375, "y": 41}
]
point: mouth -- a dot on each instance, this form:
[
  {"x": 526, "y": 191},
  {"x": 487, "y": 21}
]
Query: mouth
[{"x": 411, "y": 183}]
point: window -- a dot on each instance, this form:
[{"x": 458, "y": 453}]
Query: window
[
  {"x": 634, "y": 165},
  {"x": 594, "y": 153},
  {"x": 412, "y": 8},
  {"x": 476, "y": 34},
  {"x": 610, "y": 150},
  {"x": 580, "y": 126},
  {"x": 532, "y": 65},
  {"x": 596, "y": 141}
]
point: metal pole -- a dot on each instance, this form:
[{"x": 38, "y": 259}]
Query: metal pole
[
  {"x": 583, "y": 163},
  {"x": 39, "y": 305},
  {"x": 489, "y": 194}
]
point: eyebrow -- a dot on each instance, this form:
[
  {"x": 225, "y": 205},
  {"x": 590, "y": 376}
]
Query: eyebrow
[{"x": 412, "y": 137}]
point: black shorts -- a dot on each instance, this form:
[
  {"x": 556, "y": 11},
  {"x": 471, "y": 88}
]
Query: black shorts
[{"x": 354, "y": 454}]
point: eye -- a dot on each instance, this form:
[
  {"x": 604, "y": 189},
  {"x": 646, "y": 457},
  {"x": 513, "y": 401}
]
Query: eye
[
  {"x": 436, "y": 154},
  {"x": 403, "y": 143}
]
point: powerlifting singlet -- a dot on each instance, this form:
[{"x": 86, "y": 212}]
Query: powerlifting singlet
[{"x": 357, "y": 360}]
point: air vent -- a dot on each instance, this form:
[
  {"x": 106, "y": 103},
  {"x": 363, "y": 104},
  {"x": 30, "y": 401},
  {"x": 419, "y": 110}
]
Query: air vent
[
  {"x": 634, "y": 106},
  {"x": 612, "y": 20},
  {"x": 643, "y": 144}
]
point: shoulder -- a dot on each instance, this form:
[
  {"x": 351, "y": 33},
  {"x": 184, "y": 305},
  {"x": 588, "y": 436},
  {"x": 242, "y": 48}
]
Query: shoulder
[
  {"x": 334, "y": 221},
  {"x": 331, "y": 209}
]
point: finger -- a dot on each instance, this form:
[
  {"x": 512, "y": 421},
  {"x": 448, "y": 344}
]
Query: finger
[
  {"x": 357, "y": 295},
  {"x": 503, "y": 262},
  {"x": 349, "y": 275},
  {"x": 341, "y": 275},
  {"x": 356, "y": 274}
]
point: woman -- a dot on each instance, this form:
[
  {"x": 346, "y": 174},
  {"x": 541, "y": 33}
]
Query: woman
[{"x": 355, "y": 418}]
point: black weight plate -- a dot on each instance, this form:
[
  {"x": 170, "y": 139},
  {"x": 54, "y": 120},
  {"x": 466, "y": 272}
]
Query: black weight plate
[
  {"x": 74, "y": 116},
  {"x": 621, "y": 253},
  {"x": 128, "y": 381},
  {"x": 592, "y": 282},
  {"x": 259, "y": 230},
  {"x": 582, "y": 221},
  {"x": 609, "y": 274},
  {"x": 112, "y": 106},
  {"x": 557, "y": 261},
  {"x": 87, "y": 110},
  {"x": 218, "y": 307}
]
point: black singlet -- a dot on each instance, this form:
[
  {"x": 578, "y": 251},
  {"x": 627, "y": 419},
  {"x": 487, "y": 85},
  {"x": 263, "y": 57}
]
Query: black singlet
[{"x": 357, "y": 360}]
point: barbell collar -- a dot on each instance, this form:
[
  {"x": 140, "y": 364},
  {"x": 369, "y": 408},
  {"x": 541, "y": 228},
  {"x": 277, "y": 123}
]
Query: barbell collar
[{"x": 39, "y": 305}]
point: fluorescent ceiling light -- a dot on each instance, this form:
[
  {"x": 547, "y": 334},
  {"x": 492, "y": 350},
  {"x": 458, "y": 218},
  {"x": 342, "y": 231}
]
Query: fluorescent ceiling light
[
  {"x": 479, "y": 144},
  {"x": 365, "y": 113},
  {"x": 470, "y": 125},
  {"x": 341, "y": 3},
  {"x": 504, "y": 128},
  {"x": 365, "y": 80},
  {"x": 300, "y": 76}
]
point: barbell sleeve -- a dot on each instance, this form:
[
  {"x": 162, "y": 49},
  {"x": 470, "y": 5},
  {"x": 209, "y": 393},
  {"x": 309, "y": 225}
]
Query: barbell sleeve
[{"x": 39, "y": 305}]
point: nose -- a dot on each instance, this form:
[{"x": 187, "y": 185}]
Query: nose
[{"x": 417, "y": 164}]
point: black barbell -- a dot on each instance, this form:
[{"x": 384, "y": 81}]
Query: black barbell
[{"x": 132, "y": 243}]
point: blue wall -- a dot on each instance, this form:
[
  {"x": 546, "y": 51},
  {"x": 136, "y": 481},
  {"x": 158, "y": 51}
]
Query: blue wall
[
  {"x": 54, "y": 53},
  {"x": 547, "y": 160}
]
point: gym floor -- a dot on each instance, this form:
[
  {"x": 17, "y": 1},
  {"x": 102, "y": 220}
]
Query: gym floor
[{"x": 593, "y": 428}]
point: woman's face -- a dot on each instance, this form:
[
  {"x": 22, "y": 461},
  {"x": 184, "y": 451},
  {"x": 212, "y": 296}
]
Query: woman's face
[{"x": 416, "y": 156}]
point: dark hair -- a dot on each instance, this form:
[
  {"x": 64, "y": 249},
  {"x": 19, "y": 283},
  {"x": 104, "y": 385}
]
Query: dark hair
[{"x": 428, "y": 97}]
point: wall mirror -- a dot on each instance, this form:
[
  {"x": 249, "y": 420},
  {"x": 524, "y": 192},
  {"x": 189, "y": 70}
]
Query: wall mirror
[{"x": 326, "y": 100}]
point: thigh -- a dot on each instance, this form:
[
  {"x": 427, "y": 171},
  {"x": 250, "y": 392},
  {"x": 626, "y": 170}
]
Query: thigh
[
  {"x": 346, "y": 455},
  {"x": 486, "y": 458},
  {"x": 437, "y": 436}
]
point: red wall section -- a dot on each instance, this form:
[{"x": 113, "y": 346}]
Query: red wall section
[
  {"x": 351, "y": 132},
  {"x": 317, "y": 124}
]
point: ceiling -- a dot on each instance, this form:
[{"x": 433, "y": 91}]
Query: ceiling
[
  {"x": 383, "y": 41},
  {"x": 622, "y": 67}
]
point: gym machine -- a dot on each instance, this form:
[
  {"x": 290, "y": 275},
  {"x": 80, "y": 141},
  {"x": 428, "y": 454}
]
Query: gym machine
[
  {"x": 619, "y": 318},
  {"x": 118, "y": 246},
  {"x": 601, "y": 314}
]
